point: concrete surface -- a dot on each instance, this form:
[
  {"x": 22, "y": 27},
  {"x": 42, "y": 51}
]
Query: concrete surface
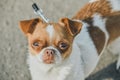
[{"x": 13, "y": 45}]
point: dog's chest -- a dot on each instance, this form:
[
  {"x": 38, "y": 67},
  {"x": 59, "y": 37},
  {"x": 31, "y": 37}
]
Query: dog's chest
[
  {"x": 58, "y": 74},
  {"x": 43, "y": 72}
]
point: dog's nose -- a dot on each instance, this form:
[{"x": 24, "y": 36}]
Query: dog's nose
[
  {"x": 48, "y": 56},
  {"x": 49, "y": 52}
]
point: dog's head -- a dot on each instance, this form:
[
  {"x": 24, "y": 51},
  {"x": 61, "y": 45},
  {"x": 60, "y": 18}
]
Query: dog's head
[{"x": 50, "y": 42}]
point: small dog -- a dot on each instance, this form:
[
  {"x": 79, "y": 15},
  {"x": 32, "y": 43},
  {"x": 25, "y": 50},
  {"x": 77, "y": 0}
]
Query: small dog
[{"x": 71, "y": 48}]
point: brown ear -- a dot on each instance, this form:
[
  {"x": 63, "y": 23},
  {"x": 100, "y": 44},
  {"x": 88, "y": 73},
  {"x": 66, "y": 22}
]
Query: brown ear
[
  {"x": 73, "y": 27},
  {"x": 28, "y": 26}
]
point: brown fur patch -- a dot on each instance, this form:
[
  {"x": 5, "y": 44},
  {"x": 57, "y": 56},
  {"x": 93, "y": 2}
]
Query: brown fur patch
[
  {"x": 73, "y": 27},
  {"x": 33, "y": 25},
  {"x": 102, "y": 7},
  {"x": 28, "y": 26},
  {"x": 113, "y": 27},
  {"x": 96, "y": 34},
  {"x": 98, "y": 37}
]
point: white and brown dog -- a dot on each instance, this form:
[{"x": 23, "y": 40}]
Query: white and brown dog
[{"x": 71, "y": 48}]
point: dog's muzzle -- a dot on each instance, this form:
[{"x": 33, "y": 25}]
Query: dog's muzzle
[{"x": 48, "y": 56}]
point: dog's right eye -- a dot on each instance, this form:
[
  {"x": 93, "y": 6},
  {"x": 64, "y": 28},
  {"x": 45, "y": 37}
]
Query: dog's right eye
[{"x": 36, "y": 44}]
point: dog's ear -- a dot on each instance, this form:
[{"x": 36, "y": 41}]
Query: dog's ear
[
  {"x": 28, "y": 26},
  {"x": 74, "y": 27}
]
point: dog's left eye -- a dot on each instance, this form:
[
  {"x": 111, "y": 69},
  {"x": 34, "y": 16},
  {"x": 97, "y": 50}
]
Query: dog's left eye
[{"x": 63, "y": 45}]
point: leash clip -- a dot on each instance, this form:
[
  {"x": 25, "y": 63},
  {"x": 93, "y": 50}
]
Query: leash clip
[{"x": 39, "y": 12}]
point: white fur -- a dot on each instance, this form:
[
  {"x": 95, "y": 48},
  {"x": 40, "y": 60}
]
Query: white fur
[
  {"x": 91, "y": 1},
  {"x": 69, "y": 69},
  {"x": 115, "y": 4},
  {"x": 88, "y": 50},
  {"x": 58, "y": 57},
  {"x": 50, "y": 31},
  {"x": 115, "y": 50}
]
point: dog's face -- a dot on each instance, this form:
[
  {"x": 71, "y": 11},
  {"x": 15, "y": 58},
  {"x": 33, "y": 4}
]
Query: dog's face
[{"x": 51, "y": 43}]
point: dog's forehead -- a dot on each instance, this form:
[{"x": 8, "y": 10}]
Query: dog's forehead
[
  {"x": 49, "y": 31},
  {"x": 55, "y": 31}
]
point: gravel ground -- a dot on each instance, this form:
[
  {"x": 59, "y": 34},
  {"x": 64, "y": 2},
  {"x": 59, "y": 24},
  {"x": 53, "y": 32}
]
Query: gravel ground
[{"x": 13, "y": 45}]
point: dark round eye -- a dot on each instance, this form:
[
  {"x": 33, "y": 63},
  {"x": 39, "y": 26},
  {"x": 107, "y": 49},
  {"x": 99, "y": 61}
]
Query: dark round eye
[
  {"x": 36, "y": 44},
  {"x": 63, "y": 45}
]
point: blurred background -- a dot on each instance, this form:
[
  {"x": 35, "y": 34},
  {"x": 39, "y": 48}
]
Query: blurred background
[{"x": 13, "y": 44}]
